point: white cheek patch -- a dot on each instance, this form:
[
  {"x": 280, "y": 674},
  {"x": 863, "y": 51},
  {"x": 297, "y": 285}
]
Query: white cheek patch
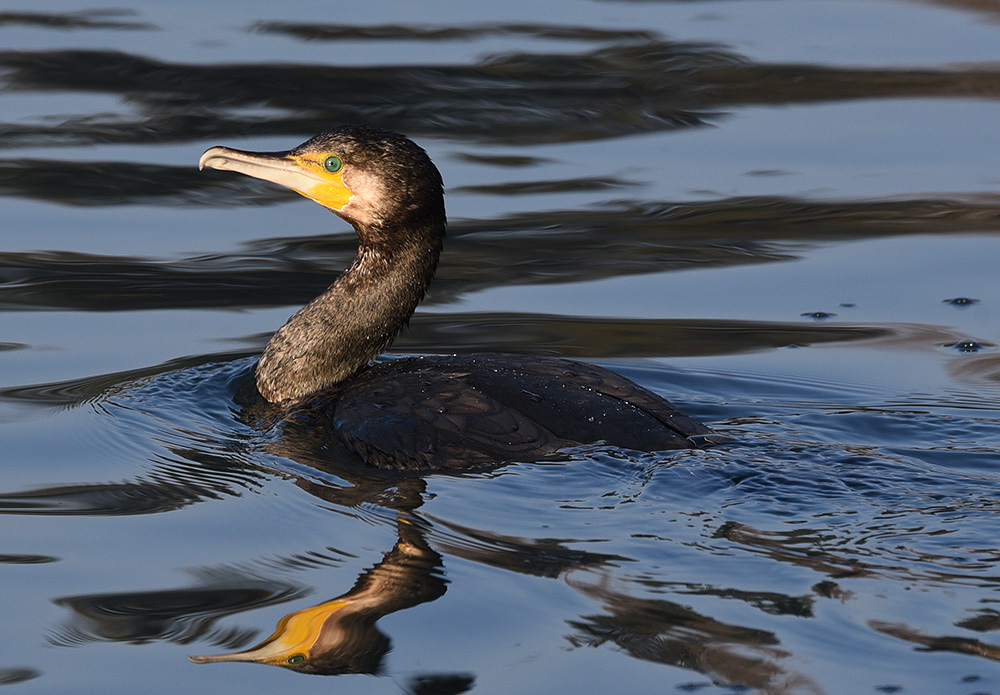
[{"x": 368, "y": 199}]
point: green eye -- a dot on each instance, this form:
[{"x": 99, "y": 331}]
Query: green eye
[
  {"x": 298, "y": 658},
  {"x": 333, "y": 164}
]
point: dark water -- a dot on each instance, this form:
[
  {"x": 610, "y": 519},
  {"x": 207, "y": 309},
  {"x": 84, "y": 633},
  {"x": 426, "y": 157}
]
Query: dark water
[{"x": 766, "y": 211}]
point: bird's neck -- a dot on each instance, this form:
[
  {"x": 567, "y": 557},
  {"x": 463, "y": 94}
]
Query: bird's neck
[{"x": 343, "y": 329}]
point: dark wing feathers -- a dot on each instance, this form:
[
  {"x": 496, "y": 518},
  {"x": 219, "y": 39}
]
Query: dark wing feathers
[
  {"x": 478, "y": 410},
  {"x": 408, "y": 419}
]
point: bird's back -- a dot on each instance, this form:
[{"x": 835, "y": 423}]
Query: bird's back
[{"x": 457, "y": 412}]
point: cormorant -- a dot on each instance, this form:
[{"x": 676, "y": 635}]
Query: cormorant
[{"x": 433, "y": 412}]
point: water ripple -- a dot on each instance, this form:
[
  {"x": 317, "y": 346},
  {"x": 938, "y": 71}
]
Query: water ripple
[
  {"x": 639, "y": 86},
  {"x": 176, "y": 615}
]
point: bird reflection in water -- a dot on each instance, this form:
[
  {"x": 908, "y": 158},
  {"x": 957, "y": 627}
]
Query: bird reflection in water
[{"x": 340, "y": 635}]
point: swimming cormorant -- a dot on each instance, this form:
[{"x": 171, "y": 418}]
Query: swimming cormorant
[{"x": 433, "y": 412}]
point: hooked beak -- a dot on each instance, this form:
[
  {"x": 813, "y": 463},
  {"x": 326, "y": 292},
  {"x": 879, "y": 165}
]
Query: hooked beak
[{"x": 301, "y": 173}]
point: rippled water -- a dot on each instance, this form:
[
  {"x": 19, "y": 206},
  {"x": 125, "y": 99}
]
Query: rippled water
[{"x": 781, "y": 214}]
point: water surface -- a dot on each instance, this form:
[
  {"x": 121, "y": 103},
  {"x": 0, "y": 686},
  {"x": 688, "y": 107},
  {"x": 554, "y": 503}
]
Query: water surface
[{"x": 782, "y": 215}]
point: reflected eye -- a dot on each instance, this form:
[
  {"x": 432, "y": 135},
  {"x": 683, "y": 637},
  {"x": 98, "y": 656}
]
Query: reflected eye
[
  {"x": 298, "y": 658},
  {"x": 333, "y": 164}
]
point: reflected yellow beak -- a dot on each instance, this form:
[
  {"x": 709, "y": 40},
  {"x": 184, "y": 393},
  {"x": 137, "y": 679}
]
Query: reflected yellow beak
[
  {"x": 303, "y": 173},
  {"x": 294, "y": 637}
]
